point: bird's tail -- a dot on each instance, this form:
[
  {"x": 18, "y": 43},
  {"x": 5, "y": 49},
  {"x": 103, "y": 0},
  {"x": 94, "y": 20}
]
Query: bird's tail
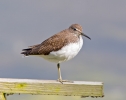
[{"x": 26, "y": 52}]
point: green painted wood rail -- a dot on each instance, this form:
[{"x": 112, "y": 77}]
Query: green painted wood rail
[{"x": 50, "y": 87}]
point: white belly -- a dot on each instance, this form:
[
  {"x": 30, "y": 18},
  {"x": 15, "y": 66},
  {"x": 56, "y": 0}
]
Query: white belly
[{"x": 66, "y": 53}]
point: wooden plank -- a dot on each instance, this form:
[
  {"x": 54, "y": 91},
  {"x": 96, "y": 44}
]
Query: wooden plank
[
  {"x": 51, "y": 87},
  {"x": 2, "y": 96}
]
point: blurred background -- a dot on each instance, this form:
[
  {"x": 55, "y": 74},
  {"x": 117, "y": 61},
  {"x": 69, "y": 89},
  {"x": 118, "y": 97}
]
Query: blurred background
[{"x": 28, "y": 22}]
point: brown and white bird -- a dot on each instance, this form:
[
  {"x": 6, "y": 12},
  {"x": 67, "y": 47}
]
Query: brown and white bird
[{"x": 60, "y": 47}]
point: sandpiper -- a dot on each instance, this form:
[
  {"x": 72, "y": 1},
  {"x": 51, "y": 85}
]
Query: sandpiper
[{"x": 60, "y": 47}]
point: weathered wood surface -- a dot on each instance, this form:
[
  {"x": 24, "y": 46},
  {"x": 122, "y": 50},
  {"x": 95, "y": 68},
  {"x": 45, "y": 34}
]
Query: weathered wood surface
[
  {"x": 51, "y": 87},
  {"x": 2, "y": 96}
]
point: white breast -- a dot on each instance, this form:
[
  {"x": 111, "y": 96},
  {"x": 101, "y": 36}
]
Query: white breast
[{"x": 66, "y": 53}]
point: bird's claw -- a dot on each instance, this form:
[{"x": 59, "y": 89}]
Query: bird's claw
[{"x": 61, "y": 81}]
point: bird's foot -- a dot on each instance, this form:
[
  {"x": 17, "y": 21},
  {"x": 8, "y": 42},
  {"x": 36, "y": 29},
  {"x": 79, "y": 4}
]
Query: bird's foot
[{"x": 61, "y": 81}]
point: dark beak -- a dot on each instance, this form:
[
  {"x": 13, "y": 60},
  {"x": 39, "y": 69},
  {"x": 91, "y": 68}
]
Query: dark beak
[{"x": 85, "y": 36}]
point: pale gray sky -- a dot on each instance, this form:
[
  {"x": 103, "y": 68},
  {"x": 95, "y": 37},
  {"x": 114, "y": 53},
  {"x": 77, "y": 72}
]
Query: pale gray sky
[{"x": 28, "y": 22}]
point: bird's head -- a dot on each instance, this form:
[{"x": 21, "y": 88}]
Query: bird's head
[{"x": 77, "y": 29}]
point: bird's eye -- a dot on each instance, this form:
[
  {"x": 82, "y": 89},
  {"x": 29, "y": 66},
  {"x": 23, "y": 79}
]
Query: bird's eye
[{"x": 75, "y": 29}]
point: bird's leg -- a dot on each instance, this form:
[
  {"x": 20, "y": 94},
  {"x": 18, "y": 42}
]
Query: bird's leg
[
  {"x": 60, "y": 78},
  {"x": 59, "y": 72}
]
